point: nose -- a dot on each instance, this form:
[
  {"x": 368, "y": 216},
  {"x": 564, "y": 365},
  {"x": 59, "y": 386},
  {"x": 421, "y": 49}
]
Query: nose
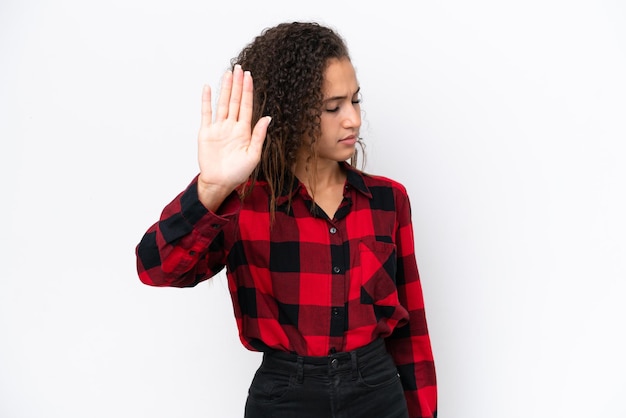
[{"x": 352, "y": 118}]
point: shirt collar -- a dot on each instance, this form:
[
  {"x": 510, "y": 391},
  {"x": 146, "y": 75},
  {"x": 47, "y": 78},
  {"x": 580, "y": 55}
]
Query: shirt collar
[{"x": 356, "y": 179}]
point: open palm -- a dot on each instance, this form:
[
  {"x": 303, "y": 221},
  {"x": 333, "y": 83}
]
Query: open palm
[{"x": 228, "y": 148}]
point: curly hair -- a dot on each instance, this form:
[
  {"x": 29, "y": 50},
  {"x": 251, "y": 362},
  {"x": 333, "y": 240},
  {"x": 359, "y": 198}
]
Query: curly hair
[{"x": 287, "y": 63}]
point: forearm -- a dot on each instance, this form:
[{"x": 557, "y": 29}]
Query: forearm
[
  {"x": 411, "y": 349},
  {"x": 186, "y": 245},
  {"x": 414, "y": 361}
]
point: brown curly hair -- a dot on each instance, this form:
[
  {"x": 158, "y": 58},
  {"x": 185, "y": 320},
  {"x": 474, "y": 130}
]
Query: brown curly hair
[{"x": 287, "y": 63}]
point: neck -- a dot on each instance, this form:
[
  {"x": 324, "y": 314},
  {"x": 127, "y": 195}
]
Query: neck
[{"x": 320, "y": 176}]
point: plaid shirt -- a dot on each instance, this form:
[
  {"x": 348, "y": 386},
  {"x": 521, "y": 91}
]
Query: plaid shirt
[{"x": 307, "y": 284}]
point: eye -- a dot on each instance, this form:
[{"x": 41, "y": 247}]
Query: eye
[{"x": 333, "y": 110}]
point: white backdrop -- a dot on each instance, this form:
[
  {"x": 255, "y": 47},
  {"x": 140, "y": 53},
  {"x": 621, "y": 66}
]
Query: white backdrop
[{"x": 505, "y": 120}]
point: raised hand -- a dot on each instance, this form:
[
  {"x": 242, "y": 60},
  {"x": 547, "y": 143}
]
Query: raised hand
[{"x": 228, "y": 148}]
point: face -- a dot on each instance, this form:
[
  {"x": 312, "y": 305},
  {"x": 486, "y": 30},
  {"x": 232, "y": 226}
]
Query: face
[{"x": 341, "y": 113}]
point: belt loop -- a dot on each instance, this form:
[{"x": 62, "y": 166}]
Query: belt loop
[
  {"x": 355, "y": 371},
  {"x": 300, "y": 369}
]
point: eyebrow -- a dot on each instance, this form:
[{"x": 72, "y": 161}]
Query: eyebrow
[{"x": 330, "y": 99}]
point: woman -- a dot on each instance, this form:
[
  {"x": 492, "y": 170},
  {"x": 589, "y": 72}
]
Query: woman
[{"x": 319, "y": 255}]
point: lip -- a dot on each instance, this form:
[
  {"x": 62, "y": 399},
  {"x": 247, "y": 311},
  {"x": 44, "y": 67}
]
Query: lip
[{"x": 349, "y": 140}]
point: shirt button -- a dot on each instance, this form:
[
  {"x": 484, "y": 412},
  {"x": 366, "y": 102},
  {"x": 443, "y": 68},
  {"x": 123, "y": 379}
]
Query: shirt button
[
  {"x": 336, "y": 269},
  {"x": 333, "y": 230},
  {"x": 216, "y": 226},
  {"x": 335, "y": 311},
  {"x": 334, "y": 363}
]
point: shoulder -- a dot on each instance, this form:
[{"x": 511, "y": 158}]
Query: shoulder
[{"x": 374, "y": 180}]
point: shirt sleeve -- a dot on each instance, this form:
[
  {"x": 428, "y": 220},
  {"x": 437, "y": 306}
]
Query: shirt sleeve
[
  {"x": 186, "y": 245},
  {"x": 409, "y": 344}
]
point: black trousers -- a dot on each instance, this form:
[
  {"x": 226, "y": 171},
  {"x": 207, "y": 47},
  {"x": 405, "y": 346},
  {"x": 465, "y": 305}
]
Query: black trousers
[{"x": 359, "y": 384}]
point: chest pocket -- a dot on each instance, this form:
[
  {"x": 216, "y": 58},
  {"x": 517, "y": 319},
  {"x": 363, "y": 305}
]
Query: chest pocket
[{"x": 378, "y": 265}]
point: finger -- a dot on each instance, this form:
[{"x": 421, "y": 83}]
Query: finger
[
  {"x": 247, "y": 99},
  {"x": 222, "y": 101},
  {"x": 235, "y": 94},
  {"x": 258, "y": 136},
  {"x": 207, "y": 111}
]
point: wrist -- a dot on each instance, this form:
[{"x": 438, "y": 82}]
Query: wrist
[{"x": 212, "y": 195}]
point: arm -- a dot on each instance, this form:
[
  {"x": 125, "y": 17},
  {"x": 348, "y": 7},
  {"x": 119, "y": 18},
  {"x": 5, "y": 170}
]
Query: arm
[
  {"x": 186, "y": 245},
  {"x": 410, "y": 344}
]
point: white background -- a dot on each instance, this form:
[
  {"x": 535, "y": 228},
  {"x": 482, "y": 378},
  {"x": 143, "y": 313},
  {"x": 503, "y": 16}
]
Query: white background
[{"x": 504, "y": 119}]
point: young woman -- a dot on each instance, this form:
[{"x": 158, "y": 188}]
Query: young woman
[{"x": 319, "y": 255}]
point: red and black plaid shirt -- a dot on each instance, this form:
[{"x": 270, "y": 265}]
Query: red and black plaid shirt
[{"x": 307, "y": 284}]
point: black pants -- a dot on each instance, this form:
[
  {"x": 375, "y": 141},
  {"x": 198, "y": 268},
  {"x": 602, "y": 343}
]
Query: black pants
[{"x": 360, "y": 384}]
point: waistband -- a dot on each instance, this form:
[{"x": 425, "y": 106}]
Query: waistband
[{"x": 342, "y": 362}]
